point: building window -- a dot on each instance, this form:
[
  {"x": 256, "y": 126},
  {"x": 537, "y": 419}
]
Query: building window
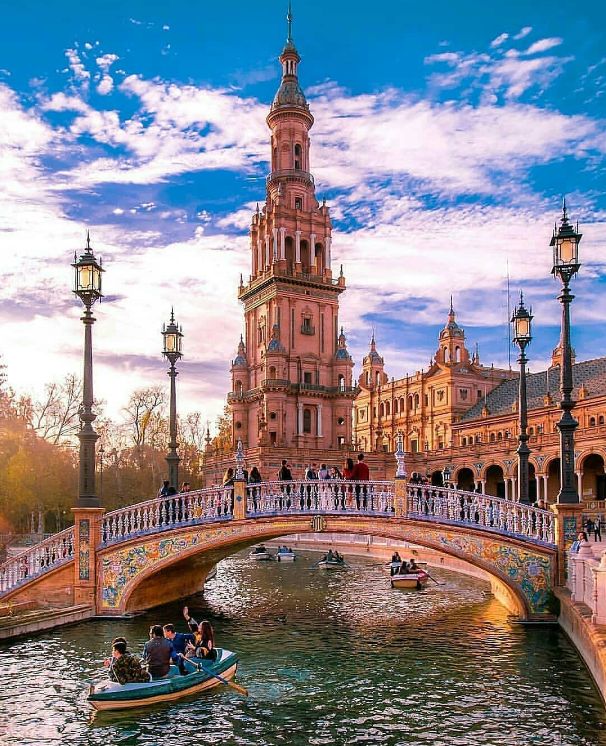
[
  {"x": 492, "y": 438},
  {"x": 272, "y": 415},
  {"x": 341, "y": 383},
  {"x": 307, "y": 420},
  {"x": 306, "y": 327},
  {"x": 307, "y": 377},
  {"x": 479, "y": 394},
  {"x": 601, "y": 419},
  {"x": 414, "y": 446},
  {"x": 340, "y": 420},
  {"x": 298, "y": 153},
  {"x": 273, "y": 438},
  {"x": 592, "y": 422},
  {"x": 463, "y": 441},
  {"x": 298, "y": 203},
  {"x": 499, "y": 436}
]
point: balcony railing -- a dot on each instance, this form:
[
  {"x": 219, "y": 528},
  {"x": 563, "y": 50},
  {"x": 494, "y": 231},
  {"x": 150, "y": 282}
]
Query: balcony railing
[{"x": 291, "y": 174}]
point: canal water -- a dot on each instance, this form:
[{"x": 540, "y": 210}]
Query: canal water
[{"x": 329, "y": 657}]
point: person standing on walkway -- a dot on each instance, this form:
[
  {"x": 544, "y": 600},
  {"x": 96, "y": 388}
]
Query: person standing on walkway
[
  {"x": 361, "y": 473},
  {"x": 597, "y": 530}
]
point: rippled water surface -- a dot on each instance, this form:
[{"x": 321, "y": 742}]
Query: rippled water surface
[{"x": 329, "y": 657}]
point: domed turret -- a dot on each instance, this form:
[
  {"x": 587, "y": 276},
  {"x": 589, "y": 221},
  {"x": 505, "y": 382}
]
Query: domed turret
[{"x": 240, "y": 359}]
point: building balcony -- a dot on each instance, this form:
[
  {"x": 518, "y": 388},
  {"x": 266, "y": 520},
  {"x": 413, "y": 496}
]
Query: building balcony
[{"x": 290, "y": 174}]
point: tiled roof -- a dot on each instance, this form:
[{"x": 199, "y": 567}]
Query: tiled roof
[{"x": 590, "y": 373}]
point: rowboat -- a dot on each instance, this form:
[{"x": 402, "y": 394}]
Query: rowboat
[
  {"x": 285, "y": 556},
  {"x": 261, "y": 555},
  {"x": 415, "y": 580},
  {"x": 331, "y": 564},
  {"x": 110, "y": 695}
]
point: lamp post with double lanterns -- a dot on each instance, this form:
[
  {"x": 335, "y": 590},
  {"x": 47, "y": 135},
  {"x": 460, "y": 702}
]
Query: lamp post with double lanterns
[
  {"x": 172, "y": 335},
  {"x": 87, "y": 286},
  {"x": 565, "y": 243},
  {"x": 522, "y": 336}
]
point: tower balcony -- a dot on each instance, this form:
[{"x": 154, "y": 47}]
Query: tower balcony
[{"x": 290, "y": 174}]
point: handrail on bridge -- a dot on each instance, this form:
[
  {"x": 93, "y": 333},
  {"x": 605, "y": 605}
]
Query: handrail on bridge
[{"x": 53, "y": 552}]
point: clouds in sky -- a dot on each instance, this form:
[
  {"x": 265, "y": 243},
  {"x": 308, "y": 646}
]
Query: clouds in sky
[{"x": 429, "y": 193}]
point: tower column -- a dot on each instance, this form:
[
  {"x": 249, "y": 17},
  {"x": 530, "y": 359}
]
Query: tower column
[
  {"x": 312, "y": 250},
  {"x": 328, "y": 257},
  {"x": 282, "y": 242},
  {"x": 300, "y": 418},
  {"x": 298, "y": 247},
  {"x": 275, "y": 246},
  {"x": 259, "y": 254},
  {"x": 267, "y": 255},
  {"x": 320, "y": 434}
]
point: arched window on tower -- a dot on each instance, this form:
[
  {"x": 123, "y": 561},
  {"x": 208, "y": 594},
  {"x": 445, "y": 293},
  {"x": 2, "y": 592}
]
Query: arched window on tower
[
  {"x": 319, "y": 259},
  {"x": 382, "y": 410},
  {"x": 305, "y": 257},
  {"x": 446, "y": 355},
  {"x": 402, "y": 405},
  {"x": 298, "y": 157},
  {"x": 289, "y": 251},
  {"x": 457, "y": 354},
  {"x": 368, "y": 378},
  {"x": 410, "y": 400},
  {"x": 341, "y": 383},
  {"x": 416, "y": 401},
  {"x": 395, "y": 406},
  {"x": 274, "y": 165},
  {"x": 387, "y": 408},
  {"x": 378, "y": 379}
]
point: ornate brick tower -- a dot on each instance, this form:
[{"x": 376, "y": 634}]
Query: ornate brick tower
[{"x": 291, "y": 379}]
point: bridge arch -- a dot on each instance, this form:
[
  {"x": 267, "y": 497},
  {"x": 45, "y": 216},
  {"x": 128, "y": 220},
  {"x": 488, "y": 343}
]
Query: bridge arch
[{"x": 148, "y": 571}]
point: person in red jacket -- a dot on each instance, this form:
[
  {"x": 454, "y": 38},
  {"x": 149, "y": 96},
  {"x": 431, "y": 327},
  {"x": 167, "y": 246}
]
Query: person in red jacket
[{"x": 361, "y": 474}]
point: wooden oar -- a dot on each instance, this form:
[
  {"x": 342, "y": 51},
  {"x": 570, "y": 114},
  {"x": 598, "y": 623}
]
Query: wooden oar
[
  {"x": 434, "y": 580},
  {"x": 242, "y": 690}
]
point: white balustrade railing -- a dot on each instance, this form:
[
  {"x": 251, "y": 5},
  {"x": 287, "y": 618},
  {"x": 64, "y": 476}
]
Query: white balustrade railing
[
  {"x": 320, "y": 496},
  {"x": 471, "y": 508},
  {"x": 37, "y": 560},
  {"x": 165, "y": 513}
]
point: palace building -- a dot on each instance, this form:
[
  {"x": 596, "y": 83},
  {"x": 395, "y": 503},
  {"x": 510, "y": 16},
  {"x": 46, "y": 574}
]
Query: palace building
[{"x": 292, "y": 394}]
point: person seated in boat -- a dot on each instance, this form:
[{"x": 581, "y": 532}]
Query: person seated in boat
[
  {"x": 395, "y": 557},
  {"x": 125, "y": 668},
  {"x": 330, "y": 557},
  {"x": 178, "y": 641},
  {"x": 261, "y": 549},
  {"x": 413, "y": 567},
  {"x": 338, "y": 557},
  {"x": 157, "y": 652},
  {"x": 205, "y": 646},
  {"x": 404, "y": 568}
]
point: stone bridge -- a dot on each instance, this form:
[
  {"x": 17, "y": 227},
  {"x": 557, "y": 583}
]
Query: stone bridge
[{"x": 161, "y": 550}]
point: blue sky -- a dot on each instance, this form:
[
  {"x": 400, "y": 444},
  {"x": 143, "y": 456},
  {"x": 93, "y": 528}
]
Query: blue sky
[{"x": 445, "y": 136}]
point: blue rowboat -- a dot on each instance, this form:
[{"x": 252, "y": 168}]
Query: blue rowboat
[{"x": 110, "y": 695}]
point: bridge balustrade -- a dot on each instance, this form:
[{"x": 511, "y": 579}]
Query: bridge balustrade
[
  {"x": 320, "y": 496},
  {"x": 37, "y": 560},
  {"x": 471, "y": 508},
  {"x": 166, "y": 513}
]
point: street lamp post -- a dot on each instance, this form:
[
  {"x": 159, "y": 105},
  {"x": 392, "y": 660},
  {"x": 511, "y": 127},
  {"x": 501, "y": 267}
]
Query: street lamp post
[
  {"x": 446, "y": 475},
  {"x": 565, "y": 242},
  {"x": 101, "y": 455},
  {"x": 87, "y": 286},
  {"x": 522, "y": 336},
  {"x": 172, "y": 336}
]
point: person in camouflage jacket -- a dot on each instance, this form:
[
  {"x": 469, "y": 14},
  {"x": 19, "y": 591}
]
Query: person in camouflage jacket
[{"x": 125, "y": 667}]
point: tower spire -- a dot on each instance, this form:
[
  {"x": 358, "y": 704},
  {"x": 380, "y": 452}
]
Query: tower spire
[{"x": 289, "y": 21}]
